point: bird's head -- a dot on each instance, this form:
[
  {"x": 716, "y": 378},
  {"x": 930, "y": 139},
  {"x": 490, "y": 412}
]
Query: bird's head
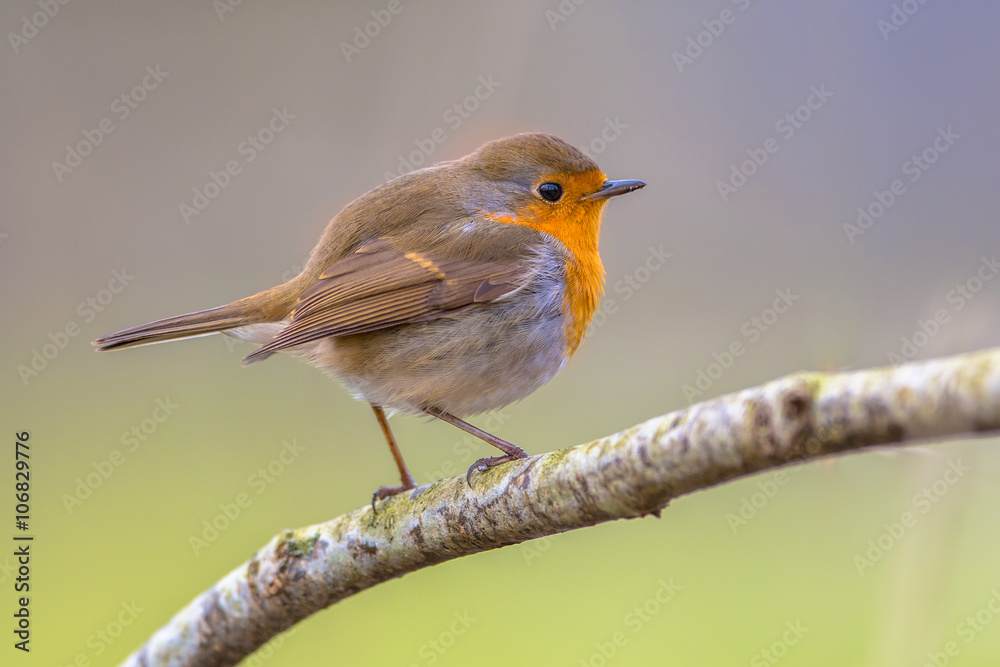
[{"x": 541, "y": 181}]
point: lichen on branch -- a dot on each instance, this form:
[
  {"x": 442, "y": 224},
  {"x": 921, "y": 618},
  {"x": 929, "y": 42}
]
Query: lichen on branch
[{"x": 630, "y": 474}]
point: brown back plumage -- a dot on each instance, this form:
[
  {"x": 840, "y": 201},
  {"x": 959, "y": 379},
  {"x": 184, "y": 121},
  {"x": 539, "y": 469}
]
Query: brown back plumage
[{"x": 398, "y": 253}]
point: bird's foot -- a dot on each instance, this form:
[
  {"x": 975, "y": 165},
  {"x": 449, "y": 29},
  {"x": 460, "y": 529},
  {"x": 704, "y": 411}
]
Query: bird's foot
[
  {"x": 384, "y": 492},
  {"x": 485, "y": 464}
]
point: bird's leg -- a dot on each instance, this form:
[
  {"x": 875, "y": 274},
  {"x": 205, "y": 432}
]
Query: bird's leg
[
  {"x": 404, "y": 475},
  {"x": 511, "y": 452}
]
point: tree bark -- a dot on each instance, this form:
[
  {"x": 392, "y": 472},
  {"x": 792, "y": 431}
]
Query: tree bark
[{"x": 627, "y": 475}]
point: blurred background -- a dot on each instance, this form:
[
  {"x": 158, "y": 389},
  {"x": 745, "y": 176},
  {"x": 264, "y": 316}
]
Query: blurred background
[{"x": 822, "y": 190}]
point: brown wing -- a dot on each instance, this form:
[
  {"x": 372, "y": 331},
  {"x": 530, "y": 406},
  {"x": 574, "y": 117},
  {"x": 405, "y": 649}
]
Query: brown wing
[{"x": 378, "y": 287}]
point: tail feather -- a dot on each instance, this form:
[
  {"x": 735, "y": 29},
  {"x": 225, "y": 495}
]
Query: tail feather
[{"x": 200, "y": 323}]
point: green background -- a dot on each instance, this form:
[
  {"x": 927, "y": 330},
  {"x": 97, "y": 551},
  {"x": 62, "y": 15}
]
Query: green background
[{"x": 557, "y": 601}]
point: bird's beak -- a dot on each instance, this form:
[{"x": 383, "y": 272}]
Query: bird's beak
[{"x": 613, "y": 189}]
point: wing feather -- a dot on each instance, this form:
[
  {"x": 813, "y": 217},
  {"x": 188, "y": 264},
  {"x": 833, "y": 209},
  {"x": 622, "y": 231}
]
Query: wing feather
[{"x": 379, "y": 287}]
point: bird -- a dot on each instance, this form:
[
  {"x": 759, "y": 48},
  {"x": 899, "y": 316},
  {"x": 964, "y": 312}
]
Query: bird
[{"x": 449, "y": 291}]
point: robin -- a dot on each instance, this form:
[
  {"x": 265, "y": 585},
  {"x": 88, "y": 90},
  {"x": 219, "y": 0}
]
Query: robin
[{"x": 449, "y": 291}]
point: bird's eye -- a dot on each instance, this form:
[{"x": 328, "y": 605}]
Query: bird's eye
[{"x": 550, "y": 191}]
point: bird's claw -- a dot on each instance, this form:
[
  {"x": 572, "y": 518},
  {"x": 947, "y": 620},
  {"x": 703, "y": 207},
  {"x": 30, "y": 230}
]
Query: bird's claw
[
  {"x": 383, "y": 492},
  {"x": 484, "y": 464}
]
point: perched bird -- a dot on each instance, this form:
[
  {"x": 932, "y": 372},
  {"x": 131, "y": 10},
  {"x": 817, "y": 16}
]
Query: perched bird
[{"x": 449, "y": 291}]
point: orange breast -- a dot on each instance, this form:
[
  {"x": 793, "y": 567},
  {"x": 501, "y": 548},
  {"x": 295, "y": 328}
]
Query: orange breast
[
  {"x": 577, "y": 227},
  {"x": 584, "y": 286}
]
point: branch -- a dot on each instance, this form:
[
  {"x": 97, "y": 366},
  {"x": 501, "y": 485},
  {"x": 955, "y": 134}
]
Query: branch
[{"x": 631, "y": 474}]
